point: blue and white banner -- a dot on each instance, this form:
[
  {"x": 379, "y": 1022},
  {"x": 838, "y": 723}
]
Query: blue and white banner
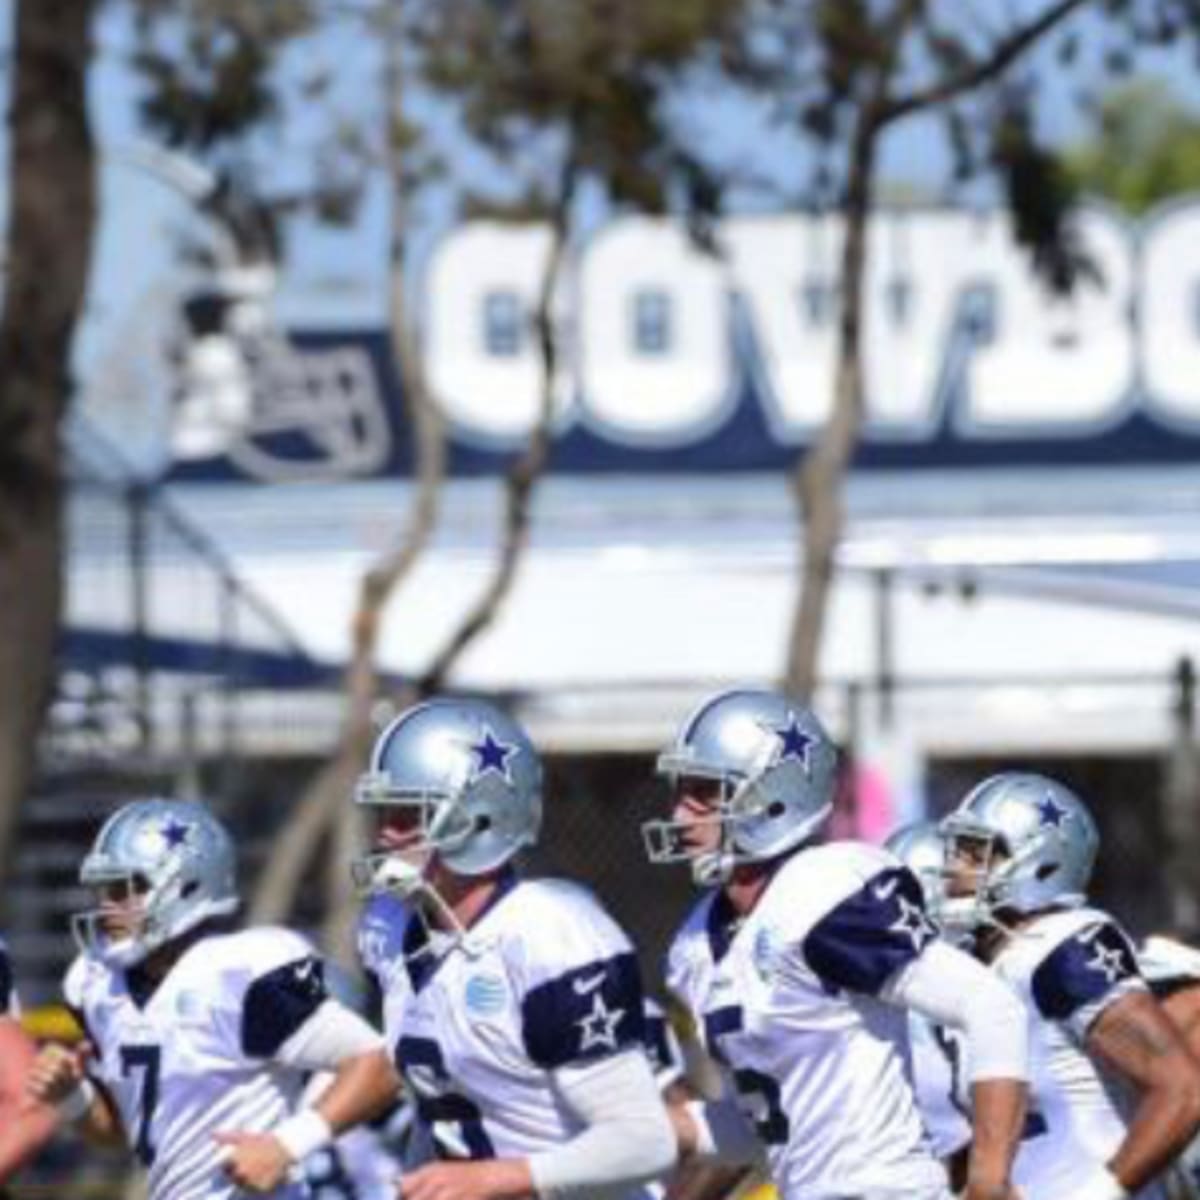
[{"x": 675, "y": 360}]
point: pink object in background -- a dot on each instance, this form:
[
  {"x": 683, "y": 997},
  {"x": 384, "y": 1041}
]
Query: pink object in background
[{"x": 863, "y": 808}]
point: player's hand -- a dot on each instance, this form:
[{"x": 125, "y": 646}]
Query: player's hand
[
  {"x": 255, "y": 1161},
  {"x": 493, "y": 1179},
  {"x": 990, "y": 1191},
  {"x": 56, "y": 1072},
  {"x": 686, "y": 1134}
]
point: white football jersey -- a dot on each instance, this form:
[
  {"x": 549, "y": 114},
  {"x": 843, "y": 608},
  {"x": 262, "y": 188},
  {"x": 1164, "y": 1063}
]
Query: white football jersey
[
  {"x": 937, "y": 1063},
  {"x": 1068, "y": 967},
  {"x": 786, "y": 1001},
  {"x": 543, "y": 979},
  {"x": 193, "y": 1057}
]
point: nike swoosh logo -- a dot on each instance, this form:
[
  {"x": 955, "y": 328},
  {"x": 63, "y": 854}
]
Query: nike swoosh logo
[
  {"x": 583, "y": 986},
  {"x": 884, "y": 891}
]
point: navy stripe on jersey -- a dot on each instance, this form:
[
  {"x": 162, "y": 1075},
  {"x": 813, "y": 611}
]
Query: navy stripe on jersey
[
  {"x": 6, "y": 981},
  {"x": 1083, "y": 970},
  {"x": 722, "y": 924},
  {"x": 863, "y": 941},
  {"x": 585, "y": 1014},
  {"x": 279, "y": 1002},
  {"x": 658, "y": 1044}
]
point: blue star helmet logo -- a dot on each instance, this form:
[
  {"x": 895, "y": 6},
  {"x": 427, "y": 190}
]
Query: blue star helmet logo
[
  {"x": 794, "y": 743},
  {"x": 1051, "y": 813},
  {"x": 492, "y": 755},
  {"x": 175, "y": 833}
]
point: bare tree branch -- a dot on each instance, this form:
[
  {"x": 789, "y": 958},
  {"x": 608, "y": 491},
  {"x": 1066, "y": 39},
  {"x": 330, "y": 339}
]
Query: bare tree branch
[
  {"x": 818, "y": 474},
  {"x": 326, "y": 803},
  {"x": 525, "y": 471},
  {"x": 971, "y": 77}
]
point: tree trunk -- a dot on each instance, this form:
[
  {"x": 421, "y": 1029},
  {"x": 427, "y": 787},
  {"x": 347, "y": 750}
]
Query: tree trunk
[
  {"x": 48, "y": 255},
  {"x": 526, "y": 470},
  {"x": 327, "y": 804},
  {"x": 818, "y": 478}
]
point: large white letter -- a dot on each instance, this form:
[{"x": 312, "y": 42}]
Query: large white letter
[
  {"x": 787, "y": 272},
  {"x": 653, "y": 335},
  {"x": 1170, "y": 324},
  {"x": 1052, "y": 364},
  {"x": 481, "y": 293}
]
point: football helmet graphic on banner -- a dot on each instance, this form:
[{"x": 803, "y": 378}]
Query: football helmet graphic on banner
[
  {"x": 777, "y": 771},
  {"x": 473, "y": 782},
  {"x": 160, "y": 868},
  {"x": 1031, "y": 841}
]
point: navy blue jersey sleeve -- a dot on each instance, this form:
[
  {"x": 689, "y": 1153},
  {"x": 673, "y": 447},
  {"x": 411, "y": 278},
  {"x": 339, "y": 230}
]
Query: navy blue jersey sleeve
[
  {"x": 6, "y": 982},
  {"x": 1075, "y": 981},
  {"x": 870, "y": 935},
  {"x": 585, "y": 1013},
  {"x": 279, "y": 1002}
]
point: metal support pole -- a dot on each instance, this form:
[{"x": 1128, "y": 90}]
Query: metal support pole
[
  {"x": 885, "y": 653},
  {"x": 228, "y": 689},
  {"x": 139, "y": 610},
  {"x": 1181, "y": 804}
]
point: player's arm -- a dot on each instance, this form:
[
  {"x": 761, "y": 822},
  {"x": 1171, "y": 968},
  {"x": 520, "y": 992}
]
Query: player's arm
[
  {"x": 697, "y": 1178},
  {"x": 1135, "y": 1037},
  {"x": 25, "y": 1125},
  {"x": 694, "y": 1178},
  {"x": 1182, "y": 1005},
  {"x": 289, "y": 1018},
  {"x": 585, "y": 1027},
  {"x": 58, "y": 1078},
  {"x": 950, "y": 988},
  {"x": 879, "y": 941}
]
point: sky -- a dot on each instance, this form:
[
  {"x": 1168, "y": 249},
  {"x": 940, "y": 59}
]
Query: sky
[{"x": 339, "y": 276}]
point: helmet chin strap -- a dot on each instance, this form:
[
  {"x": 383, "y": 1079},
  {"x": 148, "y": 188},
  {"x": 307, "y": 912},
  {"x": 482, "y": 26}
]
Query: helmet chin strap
[
  {"x": 712, "y": 868},
  {"x": 409, "y": 881}
]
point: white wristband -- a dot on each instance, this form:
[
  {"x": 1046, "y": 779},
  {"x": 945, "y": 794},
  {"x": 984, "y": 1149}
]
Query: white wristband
[
  {"x": 75, "y": 1104},
  {"x": 303, "y": 1134}
]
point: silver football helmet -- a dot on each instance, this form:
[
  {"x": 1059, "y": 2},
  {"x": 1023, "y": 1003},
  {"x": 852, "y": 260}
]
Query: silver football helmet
[
  {"x": 920, "y": 848},
  {"x": 474, "y": 782},
  {"x": 777, "y": 769},
  {"x": 167, "y": 865},
  {"x": 1034, "y": 842}
]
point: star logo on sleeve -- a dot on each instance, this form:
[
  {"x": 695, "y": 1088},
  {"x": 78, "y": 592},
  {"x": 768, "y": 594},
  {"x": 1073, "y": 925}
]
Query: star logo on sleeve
[
  {"x": 1050, "y": 813},
  {"x": 794, "y": 743},
  {"x": 1109, "y": 961},
  {"x": 175, "y": 833},
  {"x": 913, "y": 923},
  {"x": 491, "y": 754},
  {"x": 599, "y": 1027}
]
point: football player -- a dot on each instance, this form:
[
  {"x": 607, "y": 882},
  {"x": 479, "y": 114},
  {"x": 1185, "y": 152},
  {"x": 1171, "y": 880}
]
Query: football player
[
  {"x": 514, "y": 1006},
  {"x": 1172, "y": 970},
  {"x": 936, "y": 1052},
  {"x": 799, "y": 962},
  {"x": 1115, "y": 1090},
  {"x": 199, "y": 1038},
  {"x": 24, "y": 1127}
]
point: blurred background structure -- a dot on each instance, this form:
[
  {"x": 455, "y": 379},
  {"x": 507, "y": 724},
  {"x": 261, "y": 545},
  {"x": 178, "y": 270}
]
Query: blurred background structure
[{"x": 592, "y": 355}]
